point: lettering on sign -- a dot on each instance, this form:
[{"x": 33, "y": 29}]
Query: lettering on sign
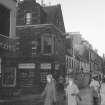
[
  {"x": 45, "y": 66},
  {"x": 26, "y": 66}
]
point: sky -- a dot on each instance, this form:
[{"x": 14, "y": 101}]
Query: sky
[{"x": 86, "y": 17}]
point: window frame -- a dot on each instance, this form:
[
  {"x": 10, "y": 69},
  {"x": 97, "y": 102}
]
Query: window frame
[
  {"x": 25, "y": 17},
  {"x": 52, "y": 43}
]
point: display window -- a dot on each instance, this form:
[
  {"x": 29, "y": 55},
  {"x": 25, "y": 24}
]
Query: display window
[{"x": 9, "y": 77}]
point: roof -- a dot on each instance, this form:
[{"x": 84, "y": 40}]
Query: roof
[{"x": 54, "y": 14}]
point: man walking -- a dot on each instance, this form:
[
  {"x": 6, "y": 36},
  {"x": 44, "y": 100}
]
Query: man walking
[{"x": 71, "y": 92}]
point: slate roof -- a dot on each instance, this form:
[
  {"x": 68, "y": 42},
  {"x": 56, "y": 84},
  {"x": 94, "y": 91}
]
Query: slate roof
[{"x": 54, "y": 14}]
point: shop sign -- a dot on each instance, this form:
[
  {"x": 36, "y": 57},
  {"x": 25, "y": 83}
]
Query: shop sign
[
  {"x": 26, "y": 66},
  {"x": 45, "y": 66}
]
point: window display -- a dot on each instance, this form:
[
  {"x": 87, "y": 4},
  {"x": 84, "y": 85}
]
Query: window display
[{"x": 9, "y": 77}]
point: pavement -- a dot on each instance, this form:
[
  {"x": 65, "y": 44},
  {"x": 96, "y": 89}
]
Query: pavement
[
  {"x": 22, "y": 100},
  {"x": 32, "y": 99}
]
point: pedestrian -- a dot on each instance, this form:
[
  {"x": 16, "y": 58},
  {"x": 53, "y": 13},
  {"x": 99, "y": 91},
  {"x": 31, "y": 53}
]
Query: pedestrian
[
  {"x": 71, "y": 92},
  {"x": 86, "y": 95},
  {"x": 96, "y": 85},
  {"x": 102, "y": 92},
  {"x": 49, "y": 93},
  {"x": 61, "y": 83}
]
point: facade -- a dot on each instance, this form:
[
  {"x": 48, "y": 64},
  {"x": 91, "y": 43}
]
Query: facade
[
  {"x": 95, "y": 63},
  {"x": 40, "y": 47},
  {"x": 81, "y": 59},
  {"x": 7, "y": 48}
]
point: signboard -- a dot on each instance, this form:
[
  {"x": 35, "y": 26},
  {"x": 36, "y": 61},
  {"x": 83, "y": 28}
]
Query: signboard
[
  {"x": 26, "y": 66},
  {"x": 45, "y": 66},
  {"x": 9, "y": 77}
]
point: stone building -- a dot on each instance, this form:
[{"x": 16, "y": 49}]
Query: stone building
[{"x": 40, "y": 45}]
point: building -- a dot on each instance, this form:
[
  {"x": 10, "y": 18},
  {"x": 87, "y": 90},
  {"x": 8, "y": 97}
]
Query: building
[
  {"x": 7, "y": 48},
  {"x": 40, "y": 46}
]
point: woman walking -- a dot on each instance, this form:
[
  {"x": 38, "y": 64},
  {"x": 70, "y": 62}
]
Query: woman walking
[
  {"x": 49, "y": 92},
  {"x": 102, "y": 92}
]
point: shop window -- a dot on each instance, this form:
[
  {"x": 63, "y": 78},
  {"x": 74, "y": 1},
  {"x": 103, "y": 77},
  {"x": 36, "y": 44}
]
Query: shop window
[
  {"x": 28, "y": 18},
  {"x": 9, "y": 77},
  {"x": 47, "y": 44},
  {"x": 45, "y": 69}
]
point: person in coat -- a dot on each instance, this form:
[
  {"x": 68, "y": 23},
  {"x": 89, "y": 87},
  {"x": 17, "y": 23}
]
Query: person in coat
[
  {"x": 71, "y": 92},
  {"x": 96, "y": 85},
  {"x": 49, "y": 93},
  {"x": 102, "y": 92},
  {"x": 87, "y": 95}
]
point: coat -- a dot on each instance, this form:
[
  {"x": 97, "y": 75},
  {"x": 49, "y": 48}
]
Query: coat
[
  {"x": 95, "y": 84},
  {"x": 87, "y": 96},
  {"x": 102, "y": 93},
  {"x": 70, "y": 90},
  {"x": 49, "y": 94}
]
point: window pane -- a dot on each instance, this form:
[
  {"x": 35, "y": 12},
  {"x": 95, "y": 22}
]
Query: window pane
[
  {"x": 28, "y": 18},
  {"x": 47, "y": 44}
]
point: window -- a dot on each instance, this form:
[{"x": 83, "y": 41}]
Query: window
[
  {"x": 34, "y": 48},
  {"x": 47, "y": 44},
  {"x": 9, "y": 77},
  {"x": 28, "y": 18}
]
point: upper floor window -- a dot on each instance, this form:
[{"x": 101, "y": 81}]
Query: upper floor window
[
  {"x": 47, "y": 44},
  {"x": 34, "y": 48},
  {"x": 28, "y": 18}
]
